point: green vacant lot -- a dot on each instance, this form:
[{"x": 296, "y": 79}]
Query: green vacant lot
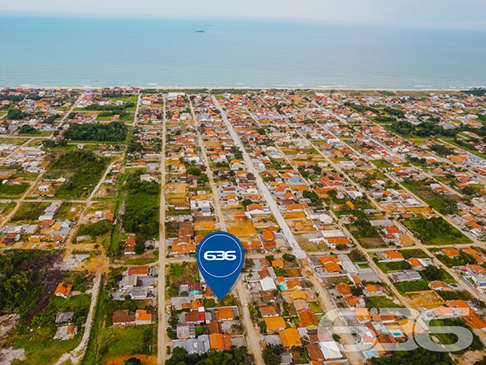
[
  {"x": 39, "y": 345},
  {"x": 83, "y": 169},
  {"x": 108, "y": 341},
  {"x": 435, "y": 231},
  {"x": 29, "y": 212},
  {"x": 445, "y": 204},
  {"x": 12, "y": 191}
]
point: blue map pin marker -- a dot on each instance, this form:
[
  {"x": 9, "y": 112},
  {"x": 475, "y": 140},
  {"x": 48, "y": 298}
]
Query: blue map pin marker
[{"x": 220, "y": 257}]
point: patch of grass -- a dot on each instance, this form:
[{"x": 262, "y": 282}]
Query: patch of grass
[
  {"x": 29, "y": 212},
  {"x": 143, "y": 261},
  {"x": 69, "y": 211},
  {"x": 455, "y": 295},
  {"x": 127, "y": 340},
  {"x": 380, "y": 302},
  {"x": 7, "y": 207},
  {"x": 435, "y": 231},
  {"x": 178, "y": 274},
  {"x": 141, "y": 207},
  {"x": 414, "y": 252},
  {"x": 40, "y": 347},
  {"x": 408, "y": 286},
  {"x": 381, "y": 163},
  {"x": 393, "y": 266},
  {"x": 13, "y": 191},
  {"x": 107, "y": 342},
  {"x": 442, "y": 203},
  {"x": 451, "y": 338},
  {"x": 83, "y": 169},
  {"x": 315, "y": 307}
]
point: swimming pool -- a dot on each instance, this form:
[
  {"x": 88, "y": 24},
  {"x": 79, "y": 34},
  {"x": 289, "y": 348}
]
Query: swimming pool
[{"x": 369, "y": 354}]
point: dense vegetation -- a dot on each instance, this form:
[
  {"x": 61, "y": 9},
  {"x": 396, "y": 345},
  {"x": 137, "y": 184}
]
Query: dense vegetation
[
  {"x": 13, "y": 190},
  {"x": 20, "y": 285},
  {"x": 107, "y": 341},
  {"x": 142, "y": 207},
  {"x": 112, "y": 132},
  {"x": 417, "y": 357},
  {"x": 27, "y": 129},
  {"x": 433, "y": 273},
  {"x": 435, "y": 231},
  {"x": 441, "y": 150},
  {"x": 441, "y": 202},
  {"x": 37, "y": 337},
  {"x": 463, "y": 259},
  {"x": 88, "y": 169},
  {"x": 455, "y": 295},
  {"x": 113, "y": 108},
  {"x": 15, "y": 114},
  {"x": 29, "y": 211},
  {"x": 451, "y": 338},
  {"x": 99, "y": 228},
  {"x": 476, "y": 91},
  {"x": 425, "y": 129},
  {"x": 365, "y": 229},
  {"x": 238, "y": 356},
  {"x": 431, "y": 128},
  {"x": 53, "y": 143}
]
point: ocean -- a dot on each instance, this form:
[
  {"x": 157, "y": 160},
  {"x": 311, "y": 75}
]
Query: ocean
[{"x": 83, "y": 52}]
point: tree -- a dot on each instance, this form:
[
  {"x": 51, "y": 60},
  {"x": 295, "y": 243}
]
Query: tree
[
  {"x": 312, "y": 195},
  {"x": 203, "y": 179},
  {"x": 288, "y": 257},
  {"x": 15, "y": 114},
  {"x": 27, "y": 129},
  {"x": 193, "y": 170},
  {"x": 433, "y": 273},
  {"x": 174, "y": 318},
  {"x": 112, "y": 132},
  {"x": 418, "y": 356},
  {"x": 179, "y": 354},
  {"x": 246, "y": 202},
  {"x": 476, "y": 91},
  {"x": 53, "y": 143},
  {"x": 271, "y": 355},
  {"x": 468, "y": 190},
  {"x": 133, "y": 361},
  {"x": 332, "y": 194},
  {"x": 139, "y": 248},
  {"x": 263, "y": 327}
]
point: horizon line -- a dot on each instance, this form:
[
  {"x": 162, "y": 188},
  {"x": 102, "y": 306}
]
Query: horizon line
[
  {"x": 249, "y": 88},
  {"x": 421, "y": 26}
]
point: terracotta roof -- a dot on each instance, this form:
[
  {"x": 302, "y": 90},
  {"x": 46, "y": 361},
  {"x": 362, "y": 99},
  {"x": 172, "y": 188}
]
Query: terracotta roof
[
  {"x": 123, "y": 316},
  {"x": 143, "y": 315},
  {"x": 63, "y": 289},
  {"x": 344, "y": 289},
  {"x": 393, "y": 255},
  {"x": 138, "y": 270},
  {"x": 219, "y": 341},
  {"x": 451, "y": 252},
  {"x": 224, "y": 313},
  {"x": 274, "y": 323},
  {"x": 268, "y": 310},
  {"x": 308, "y": 318},
  {"x": 290, "y": 337}
]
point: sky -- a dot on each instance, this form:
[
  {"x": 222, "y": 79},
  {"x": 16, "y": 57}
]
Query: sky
[{"x": 402, "y": 13}]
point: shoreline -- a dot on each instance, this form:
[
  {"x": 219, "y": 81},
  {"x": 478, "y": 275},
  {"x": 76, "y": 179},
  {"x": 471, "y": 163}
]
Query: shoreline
[{"x": 249, "y": 88}]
